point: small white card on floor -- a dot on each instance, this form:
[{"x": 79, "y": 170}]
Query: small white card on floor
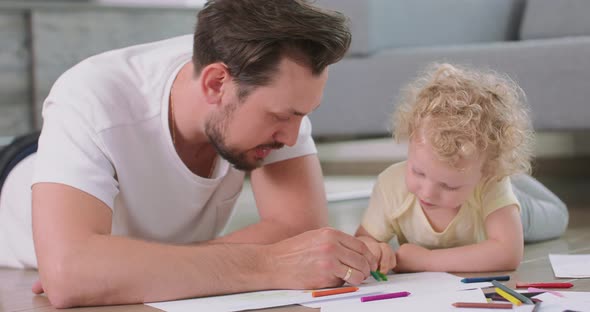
[
  {"x": 568, "y": 301},
  {"x": 570, "y": 266}
]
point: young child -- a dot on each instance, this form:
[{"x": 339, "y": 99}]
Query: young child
[{"x": 451, "y": 205}]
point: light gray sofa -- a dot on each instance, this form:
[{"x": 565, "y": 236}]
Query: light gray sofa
[
  {"x": 39, "y": 40},
  {"x": 543, "y": 44}
]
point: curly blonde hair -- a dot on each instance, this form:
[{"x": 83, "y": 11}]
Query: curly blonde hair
[{"x": 461, "y": 112}]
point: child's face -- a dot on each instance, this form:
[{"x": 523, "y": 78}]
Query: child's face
[{"x": 435, "y": 183}]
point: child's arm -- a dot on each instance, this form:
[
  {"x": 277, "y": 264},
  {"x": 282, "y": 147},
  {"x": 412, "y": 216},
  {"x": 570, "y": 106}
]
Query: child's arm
[
  {"x": 502, "y": 251},
  {"x": 383, "y": 252}
]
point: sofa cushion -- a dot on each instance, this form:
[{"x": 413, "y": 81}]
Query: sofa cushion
[
  {"x": 381, "y": 24},
  {"x": 555, "y": 18},
  {"x": 554, "y": 73}
]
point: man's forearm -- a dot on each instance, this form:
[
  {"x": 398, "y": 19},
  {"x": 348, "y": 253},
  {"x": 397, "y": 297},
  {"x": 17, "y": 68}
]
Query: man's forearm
[
  {"x": 263, "y": 232},
  {"x": 110, "y": 270}
]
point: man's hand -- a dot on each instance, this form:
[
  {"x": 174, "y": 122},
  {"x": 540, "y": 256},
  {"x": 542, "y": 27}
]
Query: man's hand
[
  {"x": 382, "y": 251},
  {"x": 411, "y": 258},
  {"x": 320, "y": 258}
]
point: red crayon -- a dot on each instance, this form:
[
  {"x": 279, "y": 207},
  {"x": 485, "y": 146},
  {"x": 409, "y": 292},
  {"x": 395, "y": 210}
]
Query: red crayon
[
  {"x": 544, "y": 285},
  {"x": 488, "y": 305}
]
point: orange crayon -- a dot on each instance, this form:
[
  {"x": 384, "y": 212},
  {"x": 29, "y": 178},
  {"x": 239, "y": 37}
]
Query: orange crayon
[{"x": 335, "y": 291}]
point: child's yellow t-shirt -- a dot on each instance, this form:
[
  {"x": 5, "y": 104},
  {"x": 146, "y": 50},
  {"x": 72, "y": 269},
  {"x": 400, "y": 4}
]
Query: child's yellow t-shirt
[{"x": 394, "y": 211}]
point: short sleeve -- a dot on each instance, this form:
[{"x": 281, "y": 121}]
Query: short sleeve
[
  {"x": 496, "y": 194},
  {"x": 70, "y": 153},
  {"x": 376, "y": 220},
  {"x": 304, "y": 146},
  {"x": 389, "y": 200}
]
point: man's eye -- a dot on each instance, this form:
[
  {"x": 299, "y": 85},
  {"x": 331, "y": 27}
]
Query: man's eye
[{"x": 281, "y": 118}]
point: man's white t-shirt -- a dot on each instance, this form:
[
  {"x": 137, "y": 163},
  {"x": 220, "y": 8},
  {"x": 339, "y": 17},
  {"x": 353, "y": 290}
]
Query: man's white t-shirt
[{"x": 105, "y": 132}]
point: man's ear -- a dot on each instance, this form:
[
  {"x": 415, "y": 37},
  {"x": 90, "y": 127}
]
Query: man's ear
[{"x": 213, "y": 78}]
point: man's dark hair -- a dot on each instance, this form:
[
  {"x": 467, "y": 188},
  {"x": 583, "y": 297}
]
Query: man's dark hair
[{"x": 251, "y": 36}]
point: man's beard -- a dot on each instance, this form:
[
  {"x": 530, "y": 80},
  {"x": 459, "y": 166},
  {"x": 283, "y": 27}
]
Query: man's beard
[{"x": 215, "y": 130}]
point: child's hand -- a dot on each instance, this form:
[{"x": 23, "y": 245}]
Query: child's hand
[
  {"x": 383, "y": 252},
  {"x": 411, "y": 258}
]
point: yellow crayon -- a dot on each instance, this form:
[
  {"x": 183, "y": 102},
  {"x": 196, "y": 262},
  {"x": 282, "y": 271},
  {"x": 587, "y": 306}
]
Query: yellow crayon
[{"x": 508, "y": 296}]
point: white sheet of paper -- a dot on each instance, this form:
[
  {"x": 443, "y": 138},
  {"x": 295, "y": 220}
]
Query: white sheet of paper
[
  {"x": 416, "y": 283},
  {"x": 570, "y": 266},
  {"x": 439, "y": 301},
  {"x": 572, "y": 300},
  {"x": 435, "y": 301},
  {"x": 476, "y": 285},
  {"x": 423, "y": 283},
  {"x": 235, "y": 302},
  {"x": 248, "y": 301}
]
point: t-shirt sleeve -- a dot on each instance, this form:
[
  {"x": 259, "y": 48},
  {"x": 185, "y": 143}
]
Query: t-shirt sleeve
[
  {"x": 304, "y": 146},
  {"x": 497, "y": 194},
  {"x": 376, "y": 218},
  {"x": 70, "y": 152},
  {"x": 386, "y": 204}
]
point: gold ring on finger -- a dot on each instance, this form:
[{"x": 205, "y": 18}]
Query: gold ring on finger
[{"x": 348, "y": 274}]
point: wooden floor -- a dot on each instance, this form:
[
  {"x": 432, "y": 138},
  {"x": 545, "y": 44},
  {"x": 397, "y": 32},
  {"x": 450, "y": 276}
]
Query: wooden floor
[{"x": 15, "y": 285}]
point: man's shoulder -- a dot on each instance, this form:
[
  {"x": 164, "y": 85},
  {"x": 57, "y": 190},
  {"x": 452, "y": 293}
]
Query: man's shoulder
[
  {"x": 156, "y": 50},
  {"x": 121, "y": 86},
  {"x": 135, "y": 61}
]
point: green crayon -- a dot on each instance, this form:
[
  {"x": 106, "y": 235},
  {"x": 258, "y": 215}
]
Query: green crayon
[{"x": 376, "y": 276}]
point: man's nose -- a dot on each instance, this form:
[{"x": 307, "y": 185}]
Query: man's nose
[{"x": 289, "y": 133}]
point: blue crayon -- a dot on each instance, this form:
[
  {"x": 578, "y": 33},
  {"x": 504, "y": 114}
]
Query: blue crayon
[{"x": 485, "y": 279}]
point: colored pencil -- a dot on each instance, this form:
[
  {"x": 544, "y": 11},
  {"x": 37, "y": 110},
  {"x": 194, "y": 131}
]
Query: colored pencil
[
  {"x": 544, "y": 285},
  {"x": 508, "y": 296},
  {"x": 385, "y": 296},
  {"x": 376, "y": 276},
  {"x": 494, "y": 296},
  {"x": 515, "y": 294},
  {"x": 482, "y": 305},
  {"x": 485, "y": 279},
  {"x": 556, "y": 293},
  {"x": 383, "y": 276},
  {"x": 532, "y": 292},
  {"x": 335, "y": 291}
]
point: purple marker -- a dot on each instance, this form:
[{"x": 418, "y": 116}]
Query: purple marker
[{"x": 385, "y": 296}]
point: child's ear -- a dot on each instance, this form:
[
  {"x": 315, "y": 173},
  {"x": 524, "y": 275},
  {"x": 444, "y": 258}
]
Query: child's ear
[{"x": 213, "y": 78}]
